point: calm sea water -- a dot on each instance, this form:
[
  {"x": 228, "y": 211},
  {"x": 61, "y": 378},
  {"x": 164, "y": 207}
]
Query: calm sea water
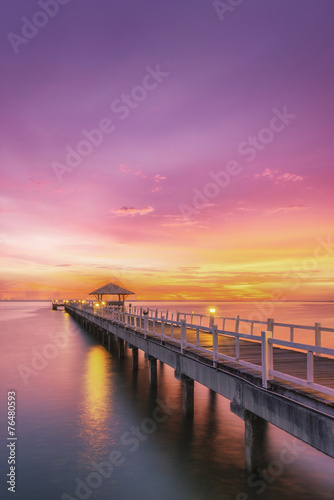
[{"x": 79, "y": 406}]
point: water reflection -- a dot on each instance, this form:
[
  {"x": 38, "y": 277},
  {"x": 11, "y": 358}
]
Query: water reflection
[{"x": 96, "y": 404}]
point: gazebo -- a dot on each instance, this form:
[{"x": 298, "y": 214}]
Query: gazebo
[{"x": 112, "y": 289}]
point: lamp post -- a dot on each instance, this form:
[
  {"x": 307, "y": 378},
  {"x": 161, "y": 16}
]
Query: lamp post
[{"x": 212, "y": 317}]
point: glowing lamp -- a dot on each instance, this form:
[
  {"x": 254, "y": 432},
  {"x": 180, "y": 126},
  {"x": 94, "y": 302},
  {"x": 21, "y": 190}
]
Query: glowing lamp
[{"x": 212, "y": 310}]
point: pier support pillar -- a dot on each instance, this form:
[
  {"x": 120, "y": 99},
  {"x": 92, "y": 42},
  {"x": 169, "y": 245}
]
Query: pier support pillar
[
  {"x": 254, "y": 442},
  {"x": 153, "y": 374},
  {"x": 134, "y": 358},
  {"x": 255, "y": 429},
  {"x": 120, "y": 348},
  {"x": 188, "y": 393},
  {"x": 110, "y": 342},
  {"x": 188, "y": 396}
]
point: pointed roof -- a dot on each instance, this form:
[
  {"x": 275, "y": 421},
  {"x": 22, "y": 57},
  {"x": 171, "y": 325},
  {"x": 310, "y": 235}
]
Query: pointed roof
[{"x": 111, "y": 289}]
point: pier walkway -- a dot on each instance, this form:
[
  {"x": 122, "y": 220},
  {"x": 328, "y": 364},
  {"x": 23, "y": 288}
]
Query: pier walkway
[{"x": 267, "y": 375}]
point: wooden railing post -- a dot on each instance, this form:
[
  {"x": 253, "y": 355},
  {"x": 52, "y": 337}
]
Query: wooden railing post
[
  {"x": 310, "y": 366},
  {"x": 237, "y": 347},
  {"x": 162, "y": 327},
  {"x": 215, "y": 344},
  {"x": 267, "y": 358},
  {"x": 183, "y": 334},
  {"x": 145, "y": 325},
  {"x": 237, "y": 321},
  {"x": 178, "y": 316},
  {"x": 237, "y": 340},
  {"x": 270, "y": 326},
  {"x": 317, "y": 339}
]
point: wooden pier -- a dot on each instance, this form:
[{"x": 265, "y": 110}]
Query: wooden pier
[{"x": 267, "y": 379}]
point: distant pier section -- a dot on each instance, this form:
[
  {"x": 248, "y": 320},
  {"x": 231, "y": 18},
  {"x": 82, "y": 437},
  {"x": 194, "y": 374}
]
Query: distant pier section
[{"x": 58, "y": 303}]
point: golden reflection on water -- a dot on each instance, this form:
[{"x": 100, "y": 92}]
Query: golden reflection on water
[{"x": 96, "y": 407}]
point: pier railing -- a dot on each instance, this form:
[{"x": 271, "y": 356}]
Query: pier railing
[{"x": 181, "y": 329}]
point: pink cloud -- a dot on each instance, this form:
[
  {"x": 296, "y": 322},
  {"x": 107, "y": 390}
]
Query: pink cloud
[
  {"x": 159, "y": 178},
  {"x": 139, "y": 173},
  {"x": 291, "y": 177},
  {"x": 124, "y": 169}
]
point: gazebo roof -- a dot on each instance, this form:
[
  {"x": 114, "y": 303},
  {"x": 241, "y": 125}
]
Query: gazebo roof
[{"x": 111, "y": 289}]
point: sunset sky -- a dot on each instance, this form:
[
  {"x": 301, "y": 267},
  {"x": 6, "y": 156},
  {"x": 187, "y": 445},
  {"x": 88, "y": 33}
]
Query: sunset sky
[{"x": 211, "y": 175}]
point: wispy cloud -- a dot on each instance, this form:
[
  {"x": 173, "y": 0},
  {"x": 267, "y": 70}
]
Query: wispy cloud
[
  {"x": 139, "y": 173},
  {"x": 157, "y": 178},
  {"x": 275, "y": 175},
  {"x": 287, "y": 209},
  {"x": 177, "y": 221},
  {"x": 124, "y": 169},
  {"x": 131, "y": 211}
]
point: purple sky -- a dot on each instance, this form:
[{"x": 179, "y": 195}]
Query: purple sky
[{"x": 120, "y": 208}]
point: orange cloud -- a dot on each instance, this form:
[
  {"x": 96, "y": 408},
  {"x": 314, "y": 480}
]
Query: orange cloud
[{"x": 131, "y": 211}]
